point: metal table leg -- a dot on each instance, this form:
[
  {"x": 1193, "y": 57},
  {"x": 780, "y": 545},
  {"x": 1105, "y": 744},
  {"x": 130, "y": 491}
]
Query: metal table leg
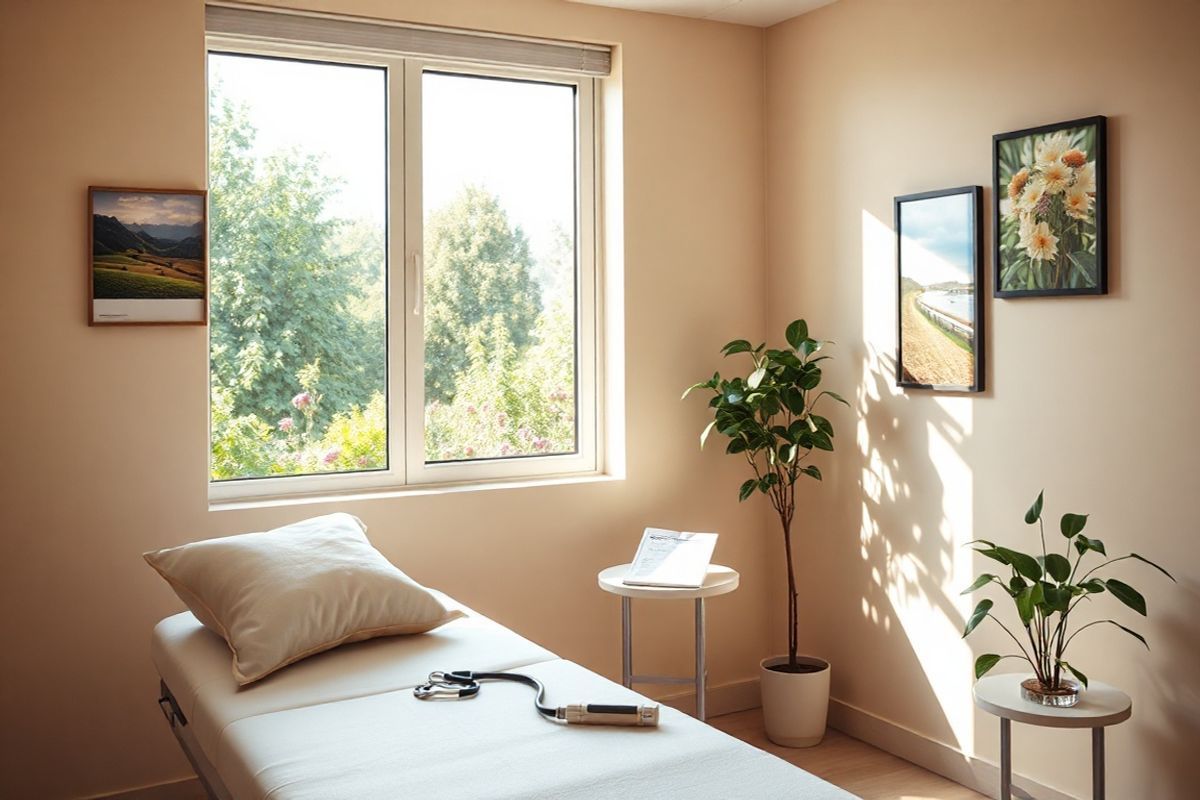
[
  {"x": 1097, "y": 763},
  {"x": 700, "y": 666},
  {"x": 626, "y": 643},
  {"x": 1005, "y": 759}
]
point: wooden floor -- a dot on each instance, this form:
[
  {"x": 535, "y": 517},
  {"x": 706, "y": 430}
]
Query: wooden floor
[{"x": 851, "y": 764}]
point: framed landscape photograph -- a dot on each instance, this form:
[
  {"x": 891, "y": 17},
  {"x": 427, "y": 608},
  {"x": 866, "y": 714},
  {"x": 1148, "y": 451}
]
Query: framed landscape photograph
[
  {"x": 147, "y": 257},
  {"x": 939, "y": 258},
  {"x": 1051, "y": 210}
]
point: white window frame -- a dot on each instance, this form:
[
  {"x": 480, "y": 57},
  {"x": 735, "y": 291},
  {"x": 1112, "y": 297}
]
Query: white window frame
[{"x": 405, "y": 324}]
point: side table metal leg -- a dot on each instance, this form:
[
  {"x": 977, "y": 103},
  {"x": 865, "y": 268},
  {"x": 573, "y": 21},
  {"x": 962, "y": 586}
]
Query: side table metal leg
[
  {"x": 1005, "y": 759},
  {"x": 700, "y": 665},
  {"x": 1097, "y": 763},
  {"x": 626, "y": 643}
]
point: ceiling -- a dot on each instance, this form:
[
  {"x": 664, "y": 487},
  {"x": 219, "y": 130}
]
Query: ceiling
[{"x": 761, "y": 13}]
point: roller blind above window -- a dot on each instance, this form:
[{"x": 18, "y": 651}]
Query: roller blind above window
[{"x": 360, "y": 34}]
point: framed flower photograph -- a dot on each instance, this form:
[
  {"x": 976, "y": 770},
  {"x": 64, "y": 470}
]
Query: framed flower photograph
[
  {"x": 1051, "y": 210},
  {"x": 147, "y": 257},
  {"x": 939, "y": 259}
]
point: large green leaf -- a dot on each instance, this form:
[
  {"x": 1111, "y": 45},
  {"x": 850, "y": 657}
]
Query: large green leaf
[
  {"x": 756, "y": 378},
  {"x": 1127, "y": 595},
  {"x": 1058, "y": 567},
  {"x": 1024, "y": 600},
  {"x": 747, "y": 489},
  {"x": 796, "y": 333},
  {"x": 812, "y": 471},
  {"x": 736, "y": 346},
  {"x": 980, "y": 582},
  {"x": 1035, "y": 510},
  {"x": 984, "y": 663},
  {"x": 1083, "y": 544},
  {"x": 1055, "y": 598},
  {"x": 978, "y": 615},
  {"x": 1027, "y": 565},
  {"x": 1072, "y": 524}
]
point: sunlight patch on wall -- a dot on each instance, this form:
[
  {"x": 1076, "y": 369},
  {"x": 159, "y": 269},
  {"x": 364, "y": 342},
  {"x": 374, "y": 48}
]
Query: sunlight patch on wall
[{"x": 917, "y": 498}]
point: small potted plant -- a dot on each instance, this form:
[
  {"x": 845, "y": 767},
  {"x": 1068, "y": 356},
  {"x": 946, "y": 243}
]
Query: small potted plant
[
  {"x": 1045, "y": 590},
  {"x": 770, "y": 420}
]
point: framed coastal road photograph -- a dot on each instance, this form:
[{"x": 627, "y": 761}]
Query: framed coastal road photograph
[
  {"x": 940, "y": 272},
  {"x": 147, "y": 256}
]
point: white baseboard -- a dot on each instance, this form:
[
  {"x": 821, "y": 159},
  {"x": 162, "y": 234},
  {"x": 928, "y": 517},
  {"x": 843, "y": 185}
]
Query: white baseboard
[
  {"x": 728, "y": 698},
  {"x": 946, "y": 760}
]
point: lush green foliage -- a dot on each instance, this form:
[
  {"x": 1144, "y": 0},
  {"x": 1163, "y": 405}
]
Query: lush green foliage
[
  {"x": 478, "y": 276},
  {"x": 299, "y": 324},
  {"x": 1045, "y": 590},
  {"x": 282, "y": 295},
  {"x": 770, "y": 419}
]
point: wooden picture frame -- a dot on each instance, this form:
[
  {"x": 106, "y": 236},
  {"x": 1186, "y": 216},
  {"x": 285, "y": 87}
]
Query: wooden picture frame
[
  {"x": 1051, "y": 210},
  {"x": 939, "y": 290},
  {"x": 147, "y": 256}
]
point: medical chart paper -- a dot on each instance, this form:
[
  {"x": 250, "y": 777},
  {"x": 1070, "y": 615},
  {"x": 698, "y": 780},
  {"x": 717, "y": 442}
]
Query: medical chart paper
[{"x": 671, "y": 558}]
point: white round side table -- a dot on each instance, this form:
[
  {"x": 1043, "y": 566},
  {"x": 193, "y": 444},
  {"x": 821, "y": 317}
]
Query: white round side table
[
  {"x": 719, "y": 580},
  {"x": 1099, "y": 706}
]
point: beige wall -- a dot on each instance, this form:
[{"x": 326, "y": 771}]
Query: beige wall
[
  {"x": 1091, "y": 398},
  {"x": 103, "y": 447}
]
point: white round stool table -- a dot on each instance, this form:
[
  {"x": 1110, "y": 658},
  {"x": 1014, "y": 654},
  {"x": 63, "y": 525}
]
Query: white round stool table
[
  {"x": 719, "y": 580},
  {"x": 1099, "y": 706}
]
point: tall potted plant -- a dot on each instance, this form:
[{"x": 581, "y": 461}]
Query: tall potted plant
[{"x": 770, "y": 420}]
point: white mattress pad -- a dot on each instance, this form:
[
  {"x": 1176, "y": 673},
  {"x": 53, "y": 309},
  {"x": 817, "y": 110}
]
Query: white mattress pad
[
  {"x": 196, "y": 665},
  {"x": 344, "y": 725}
]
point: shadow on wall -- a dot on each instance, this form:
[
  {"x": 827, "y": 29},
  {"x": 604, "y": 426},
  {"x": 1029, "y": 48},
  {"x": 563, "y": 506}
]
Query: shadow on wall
[{"x": 1174, "y": 729}]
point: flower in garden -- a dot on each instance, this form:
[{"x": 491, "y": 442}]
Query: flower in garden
[
  {"x": 540, "y": 443},
  {"x": 1055, "y": 177},
  {"x": 470, "y": 409},
  {"x": 286, "y": 424},
  {"x": 470, "y": 451},
  {"x": 502, "y": 419},
  {"x": 1043, "y": 244},
  {"x": 1078, "y": 202},
  {"x": 1051, "y": 148},
  {"x": 505, "y": 449},
  {"x": 523, "y": 432},
  {"x": 363, "y": 461},
  {"x": 1074, "y": 158},
  {"x": 1085, "y": 177},
  {"x": 302, "y": 400},
  {"x": 332, "y": 455},
  {"x": 1018, "y": 183}
]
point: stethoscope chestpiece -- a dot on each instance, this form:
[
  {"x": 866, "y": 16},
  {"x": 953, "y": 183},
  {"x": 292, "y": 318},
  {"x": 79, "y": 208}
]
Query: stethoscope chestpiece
[{"x": 446, "y": 686}]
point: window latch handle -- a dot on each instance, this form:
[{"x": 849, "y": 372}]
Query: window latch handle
[{"x": 418, "y": 283}]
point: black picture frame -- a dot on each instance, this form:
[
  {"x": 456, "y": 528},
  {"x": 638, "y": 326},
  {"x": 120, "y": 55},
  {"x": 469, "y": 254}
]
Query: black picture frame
[
  {"x": 953, "y": 327},
  {"x": 1000, "y": 187}
]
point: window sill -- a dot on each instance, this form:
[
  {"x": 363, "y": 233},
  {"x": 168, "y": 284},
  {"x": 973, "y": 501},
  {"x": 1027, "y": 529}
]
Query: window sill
[{"x": 315, "y": 498}]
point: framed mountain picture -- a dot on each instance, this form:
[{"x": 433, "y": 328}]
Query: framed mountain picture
[
  {"x": 1051, "y": 210},
  {"x": 939, "y": 259},
  {"x": 147, "y": 257}
]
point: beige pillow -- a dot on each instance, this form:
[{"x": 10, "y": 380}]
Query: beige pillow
[{"x": 286, "y": 594}]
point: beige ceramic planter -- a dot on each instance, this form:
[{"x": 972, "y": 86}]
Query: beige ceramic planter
[{"x": 795, "y": 705}]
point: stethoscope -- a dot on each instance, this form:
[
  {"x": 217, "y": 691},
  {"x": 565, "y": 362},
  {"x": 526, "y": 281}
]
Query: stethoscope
[{"x": 465, "y": 684}]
